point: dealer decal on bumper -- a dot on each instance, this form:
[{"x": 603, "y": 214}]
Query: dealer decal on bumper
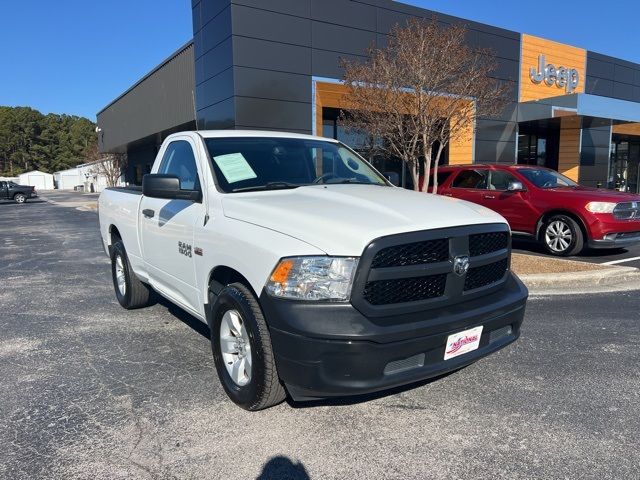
[{"x": 462, "y": 342}]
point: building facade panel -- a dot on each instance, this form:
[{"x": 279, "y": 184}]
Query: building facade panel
[
  {"x": 271, "y": 85},
  {"x": 214, "y": 32},
  {"x": 299, "y": 8},
  {"x": 158, "y": 102},
  {"x": 273, "y": 26},
  {"x": 215, "y": 89},
  {"x": 210, "y": 9},
  {"x": 266, "y": 55},
  {"x": 257, "y": 64},
  {"x": 215, "y": 61},
  {"x": 337, "y": 38},
  {"x": 344, "y": 12},
  {"x": 620, "y": 78},
  {"x": 259, "y": 113}
]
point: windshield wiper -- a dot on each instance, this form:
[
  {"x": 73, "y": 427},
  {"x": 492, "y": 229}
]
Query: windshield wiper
[
  {"x": 354, "y": 182},
  {"x": 270, "y": 186}
]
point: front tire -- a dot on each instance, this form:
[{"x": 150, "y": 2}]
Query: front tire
[
  {"x": 242, "y": 350},
  {"x": 20, "y": 198},
  {"x": 130, "y": 291},
  {"x": 561, "y": 236}
]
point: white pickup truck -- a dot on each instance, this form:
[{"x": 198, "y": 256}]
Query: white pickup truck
[{"x": 317, "y": 277}]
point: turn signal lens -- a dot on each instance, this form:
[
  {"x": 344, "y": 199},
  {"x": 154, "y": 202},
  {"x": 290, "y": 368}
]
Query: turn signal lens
[
  {"x": 600, "y": 207},
  {"x": 313, "y": 278},
  {"x": 281, "y": 273}
]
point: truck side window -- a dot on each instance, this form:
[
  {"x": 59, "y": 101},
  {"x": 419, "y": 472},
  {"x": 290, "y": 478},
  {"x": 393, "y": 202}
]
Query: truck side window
[
  {"x": 471, "y": 179},
  {"x": 3, "y": 184},
  {"x": 179, "y": 160}
]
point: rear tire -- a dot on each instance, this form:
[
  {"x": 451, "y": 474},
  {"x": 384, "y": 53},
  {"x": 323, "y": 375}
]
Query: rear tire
[
  {"x": 242, "y": 350},
  {"x": 130, "y": 291},
  {"x": 562, "y": 236},
  {"x": 20, "y": 198}
]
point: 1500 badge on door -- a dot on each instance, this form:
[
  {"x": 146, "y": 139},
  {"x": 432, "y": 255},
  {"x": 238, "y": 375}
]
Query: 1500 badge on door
[{"x": 184, "y": 249}]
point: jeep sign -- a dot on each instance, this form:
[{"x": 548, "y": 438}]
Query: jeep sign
[{"x": 562, "y": 77}]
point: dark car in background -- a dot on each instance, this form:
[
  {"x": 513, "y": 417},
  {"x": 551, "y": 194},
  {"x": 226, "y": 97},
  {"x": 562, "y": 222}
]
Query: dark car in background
[
  {"x": 18, "y": 193},
  {"x": 544, "y": 204}
]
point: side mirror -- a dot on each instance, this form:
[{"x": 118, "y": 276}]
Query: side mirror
[
  {"x": 515, "y": 187},
  {"x": 393, "y": 177},
  {"x": 157, "y": 185}
]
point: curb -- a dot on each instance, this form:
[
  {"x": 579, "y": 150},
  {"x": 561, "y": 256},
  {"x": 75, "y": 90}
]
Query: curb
[{"x": 592, "y": 281}]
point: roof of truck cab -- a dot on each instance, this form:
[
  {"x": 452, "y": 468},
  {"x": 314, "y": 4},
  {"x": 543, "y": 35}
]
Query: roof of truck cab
[{"x": 259, "y": 133}]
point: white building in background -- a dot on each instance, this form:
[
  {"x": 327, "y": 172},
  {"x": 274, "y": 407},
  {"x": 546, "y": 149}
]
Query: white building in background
[
  {"x": 36, "y": 178},
  {"x": 85, "y": 176},
  {"x": 10, "y": 179},
  {"x": 67, "y": 179}
]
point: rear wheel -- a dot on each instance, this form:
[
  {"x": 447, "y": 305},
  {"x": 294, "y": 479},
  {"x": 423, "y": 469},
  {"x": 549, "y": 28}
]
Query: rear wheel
[
  {"x": 242, "y": 350},
  {"x": 20, "y": 198},
  {"x": 561, "y": 235},
  {"x": 130, "y": 291}
]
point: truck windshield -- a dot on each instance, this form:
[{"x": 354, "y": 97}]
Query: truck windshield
[
  {"x": 256, "y": 163},
  {"x": 543, "y": 178}
]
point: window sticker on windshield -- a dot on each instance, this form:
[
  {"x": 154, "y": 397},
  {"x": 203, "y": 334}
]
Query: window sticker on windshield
[{"x": 234, "y": 167}]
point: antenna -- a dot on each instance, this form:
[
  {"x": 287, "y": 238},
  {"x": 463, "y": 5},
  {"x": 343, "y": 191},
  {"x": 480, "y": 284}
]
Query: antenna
[{"x": 195, "y": 112}]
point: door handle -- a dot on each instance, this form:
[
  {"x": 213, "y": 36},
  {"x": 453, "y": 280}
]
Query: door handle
[
  {"x": 148, "y": 213},
  {"x": 488, "y": 196}
]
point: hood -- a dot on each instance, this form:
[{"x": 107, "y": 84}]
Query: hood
[
  {"x": 343, "y": 219},
  {"x": 596, "y": 194}
]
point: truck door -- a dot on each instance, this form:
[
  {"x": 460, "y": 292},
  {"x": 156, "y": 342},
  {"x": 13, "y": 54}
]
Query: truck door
[
  {"x": 4, "y": 192},
  {"x": 167, "y": 228}
]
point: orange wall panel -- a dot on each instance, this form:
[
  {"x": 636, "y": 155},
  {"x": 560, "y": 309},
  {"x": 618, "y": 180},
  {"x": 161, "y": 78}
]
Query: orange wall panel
[
  {"x": 569, "y": 150},
  {"x": 335, "y": 95},
  {"x": 627, "y": 129},
  {"x": 557, "y": 54}
]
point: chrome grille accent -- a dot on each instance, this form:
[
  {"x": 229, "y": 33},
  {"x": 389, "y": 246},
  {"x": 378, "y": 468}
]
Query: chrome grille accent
[{"x": 627, "y": 210}]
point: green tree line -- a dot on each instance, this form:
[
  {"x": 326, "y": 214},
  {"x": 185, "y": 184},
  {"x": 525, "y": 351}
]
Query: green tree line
[{"x": 30, "y": 140}]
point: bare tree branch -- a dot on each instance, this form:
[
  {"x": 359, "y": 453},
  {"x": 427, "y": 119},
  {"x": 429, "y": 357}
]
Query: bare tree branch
[
  {"x": 426, "y": 88},
  {"x": 111, "y": 167}
]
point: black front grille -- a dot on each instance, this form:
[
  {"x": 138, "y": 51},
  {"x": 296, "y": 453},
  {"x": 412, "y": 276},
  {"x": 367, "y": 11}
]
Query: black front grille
[
  {"x": 411, "y": 272},
  {"x": 483, "y": 243},
  {"x": 485, "y": 275},
  {"x": 401, "y": 290},
  {"x": 627, "y": 210},
  {"x": 417, "y": 253}
]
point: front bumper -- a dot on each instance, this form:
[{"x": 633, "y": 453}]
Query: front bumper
[
  {"x": 616, "y": 240},
  {"x": 325, "y": 350}
]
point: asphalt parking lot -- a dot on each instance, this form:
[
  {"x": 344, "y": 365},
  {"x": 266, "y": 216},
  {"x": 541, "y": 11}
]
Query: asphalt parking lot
[{"x": 89, "y": 390}]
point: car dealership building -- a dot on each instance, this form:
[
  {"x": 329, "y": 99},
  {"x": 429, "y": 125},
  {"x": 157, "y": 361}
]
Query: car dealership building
[{"x": 274, "y": 65}]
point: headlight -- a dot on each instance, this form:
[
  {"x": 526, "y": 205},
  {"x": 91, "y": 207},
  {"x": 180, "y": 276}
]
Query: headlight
[
  {"x": 313, "y": 278},
  {"x": 600, "y": 207}
]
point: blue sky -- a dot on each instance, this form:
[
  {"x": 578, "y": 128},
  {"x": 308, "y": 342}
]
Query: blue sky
[{"x": 75, "y": 56}]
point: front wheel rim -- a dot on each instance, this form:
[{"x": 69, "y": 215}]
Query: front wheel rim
[
  {"x": 121, "y": 279},
  {"x": 558, "y": 236},
  {"x": 235, "y": 347}
]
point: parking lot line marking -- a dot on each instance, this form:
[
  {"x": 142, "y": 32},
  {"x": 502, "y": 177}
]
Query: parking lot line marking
[{"x": 624, "y": 260}]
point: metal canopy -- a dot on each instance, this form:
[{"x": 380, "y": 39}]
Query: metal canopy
[{"x": 580, "y": 104}]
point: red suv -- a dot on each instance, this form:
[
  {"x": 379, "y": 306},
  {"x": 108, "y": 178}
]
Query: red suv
[{"x": 542, "y": 203}]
